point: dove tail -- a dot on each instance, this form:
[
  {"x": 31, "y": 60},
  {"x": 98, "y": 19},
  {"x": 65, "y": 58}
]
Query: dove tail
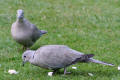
[{"x": 99, "y": 62}]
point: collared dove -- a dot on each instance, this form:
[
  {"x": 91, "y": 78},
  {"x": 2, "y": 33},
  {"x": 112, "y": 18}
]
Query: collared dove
[
  {"x": 57, "y": 56},
  {"x": 25, "y": 32}
]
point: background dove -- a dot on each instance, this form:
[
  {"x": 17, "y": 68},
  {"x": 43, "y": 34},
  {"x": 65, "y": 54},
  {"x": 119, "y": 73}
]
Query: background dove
[
  {"x": 57, "y": 56},
  {"x": 25, "y": 32}
]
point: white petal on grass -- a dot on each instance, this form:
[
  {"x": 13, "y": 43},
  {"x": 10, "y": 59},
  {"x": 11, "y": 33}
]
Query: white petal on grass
[
  {"x": 12, "y": 71},
  {"x": 90, "y": 74},
  {"x": 50, "y": 73},
  {"x": 75, "y": 29},
  {"x": 44, "y": 17},
  {"x": 59, "y": 35},
  {"x": 74, "y": 67},
  {"x": 118, "y": 67}
]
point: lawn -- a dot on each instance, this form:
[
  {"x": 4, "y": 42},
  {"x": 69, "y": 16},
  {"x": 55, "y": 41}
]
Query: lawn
[{"x": 84, "y": 25}]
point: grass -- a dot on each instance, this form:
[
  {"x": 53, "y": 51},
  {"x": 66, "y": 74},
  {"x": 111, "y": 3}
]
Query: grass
[{"x": 87, "y": 26}]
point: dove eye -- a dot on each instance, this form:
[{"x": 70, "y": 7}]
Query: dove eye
[{"x": 24, "y": 56}]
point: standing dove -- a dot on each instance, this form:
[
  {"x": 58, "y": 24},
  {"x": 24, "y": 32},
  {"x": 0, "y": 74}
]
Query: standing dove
[
  {"x": 56, "y": 57},
  {"x": 25, "y": 32}
]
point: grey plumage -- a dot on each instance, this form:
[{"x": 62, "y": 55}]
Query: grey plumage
[
  {"x": 25, "y": 32},
  {"x": 57, "y": 56}
]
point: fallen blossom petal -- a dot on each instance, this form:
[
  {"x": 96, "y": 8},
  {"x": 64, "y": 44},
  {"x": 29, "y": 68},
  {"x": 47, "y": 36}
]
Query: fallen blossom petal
[
  {"x": 50, "y": 73},
  {"x": 90, "y": 74},
  {"x": 12, "y": 71},
  {"x": 74, "y": 67}
]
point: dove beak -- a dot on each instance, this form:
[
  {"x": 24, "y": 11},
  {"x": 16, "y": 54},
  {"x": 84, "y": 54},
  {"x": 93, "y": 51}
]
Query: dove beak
[
  {"x": 20, "y": 16},
  {"x": 23, "y": 63}
]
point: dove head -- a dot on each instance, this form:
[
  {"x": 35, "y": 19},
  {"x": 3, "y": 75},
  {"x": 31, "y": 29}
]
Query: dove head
[
  {"x": 20, "y": 14},
  {"x": 27, "y": 56}
]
